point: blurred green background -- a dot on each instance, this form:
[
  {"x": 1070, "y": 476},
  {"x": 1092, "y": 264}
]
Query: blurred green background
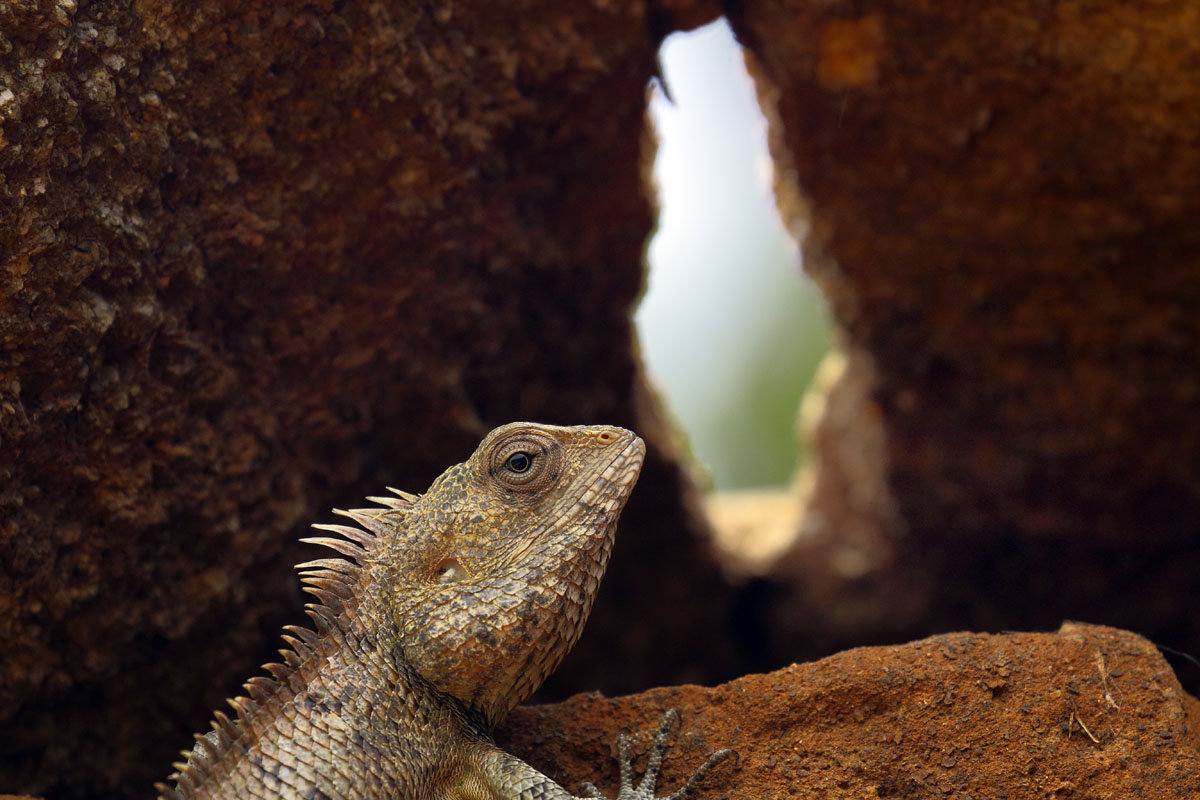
[{"x": 731, "y": 328}]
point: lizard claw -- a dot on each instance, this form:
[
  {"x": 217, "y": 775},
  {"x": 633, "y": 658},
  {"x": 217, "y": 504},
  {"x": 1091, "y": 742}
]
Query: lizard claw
[{"x": 645, "y": 788}]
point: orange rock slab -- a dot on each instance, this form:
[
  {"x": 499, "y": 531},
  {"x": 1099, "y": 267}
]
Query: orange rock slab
[{"x": 1086, "y": 712}]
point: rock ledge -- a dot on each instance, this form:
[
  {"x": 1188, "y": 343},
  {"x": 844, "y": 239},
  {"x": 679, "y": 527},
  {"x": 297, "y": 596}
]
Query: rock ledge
[{"x": 1087, "y": 712}]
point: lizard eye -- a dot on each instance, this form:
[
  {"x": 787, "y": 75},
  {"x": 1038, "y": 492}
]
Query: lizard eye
[
  {"x": 519, "y": 462},
  {"x": 526, "y": 463}
]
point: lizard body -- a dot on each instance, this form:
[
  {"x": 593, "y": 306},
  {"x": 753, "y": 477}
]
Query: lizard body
[{"x": 448, "y": 610}]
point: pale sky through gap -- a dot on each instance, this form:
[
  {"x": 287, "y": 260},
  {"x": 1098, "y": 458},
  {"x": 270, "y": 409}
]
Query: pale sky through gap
[{"x": 724, "y": 276}]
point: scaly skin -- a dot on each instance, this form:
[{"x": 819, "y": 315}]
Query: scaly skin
[{"x": 454, "y": 607}]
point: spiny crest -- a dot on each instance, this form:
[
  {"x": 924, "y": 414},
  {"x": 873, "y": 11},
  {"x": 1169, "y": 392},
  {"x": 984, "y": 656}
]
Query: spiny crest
[
  {"x": 200, "y": 759},
  {"x": 332, "y": 581}
]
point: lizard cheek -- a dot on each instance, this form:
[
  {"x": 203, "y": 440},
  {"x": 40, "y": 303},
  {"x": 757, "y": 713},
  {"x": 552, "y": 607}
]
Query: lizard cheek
[{"x": 449, "y": 570}]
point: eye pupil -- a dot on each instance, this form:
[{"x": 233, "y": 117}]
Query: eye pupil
[{"x": 519, "y": 462}]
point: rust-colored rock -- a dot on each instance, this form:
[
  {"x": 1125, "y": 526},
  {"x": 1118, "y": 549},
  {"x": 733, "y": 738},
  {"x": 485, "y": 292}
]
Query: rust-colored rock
[
  {"x": 1001, "y": 208},
  {"x": 1086, "y": 712},
  {"x": 260, "y": 259}
]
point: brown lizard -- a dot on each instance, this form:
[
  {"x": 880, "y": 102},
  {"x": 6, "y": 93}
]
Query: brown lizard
[{"x": 453, "y": 607}]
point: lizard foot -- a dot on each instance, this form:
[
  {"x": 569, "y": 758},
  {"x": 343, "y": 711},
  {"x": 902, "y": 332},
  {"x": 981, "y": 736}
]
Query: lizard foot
[{"x": 645, "y": 789}]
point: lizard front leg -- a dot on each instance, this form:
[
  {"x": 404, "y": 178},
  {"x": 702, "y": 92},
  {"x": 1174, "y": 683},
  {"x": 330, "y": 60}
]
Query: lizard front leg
[
  {"x": 645, "y": 788},
  {"x": 497, "y": 775}
]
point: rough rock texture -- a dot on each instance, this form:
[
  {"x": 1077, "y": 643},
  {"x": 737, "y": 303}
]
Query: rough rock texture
[
  {"x": 1001, "y": 208},
  {"x": 260, "y": 259},
  {"x": 1088, "y": 712}
]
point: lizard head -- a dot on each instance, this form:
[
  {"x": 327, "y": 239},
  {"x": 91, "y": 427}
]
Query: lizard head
[{"x": 492, "y": 572}]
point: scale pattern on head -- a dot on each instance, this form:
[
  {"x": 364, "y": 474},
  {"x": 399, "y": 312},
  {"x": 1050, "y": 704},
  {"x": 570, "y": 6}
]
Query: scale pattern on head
[{"x": 492, "y": 573}]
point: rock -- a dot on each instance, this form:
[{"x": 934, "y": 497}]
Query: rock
[
  {"x": 259, "y": 261},
  {"x": 1087, "y": 712},
  {"x": 999, "y": 204}
]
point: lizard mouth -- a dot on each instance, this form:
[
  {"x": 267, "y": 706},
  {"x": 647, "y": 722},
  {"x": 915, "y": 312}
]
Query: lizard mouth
[
  {"x": 604, "y": 497},
  {"x": 615, "y": 483}
]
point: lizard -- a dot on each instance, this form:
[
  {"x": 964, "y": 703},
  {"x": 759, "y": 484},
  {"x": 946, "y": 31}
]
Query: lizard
[{"x": 443, "y": 612}]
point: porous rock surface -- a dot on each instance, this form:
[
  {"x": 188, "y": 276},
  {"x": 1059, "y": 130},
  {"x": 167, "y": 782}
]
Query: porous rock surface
[
  {"x": 999, "y": 202},
  {"x": 259, "y": 259},
  {"x": 1087, "y": 712},
  {"x": 263, "y": 258}
]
